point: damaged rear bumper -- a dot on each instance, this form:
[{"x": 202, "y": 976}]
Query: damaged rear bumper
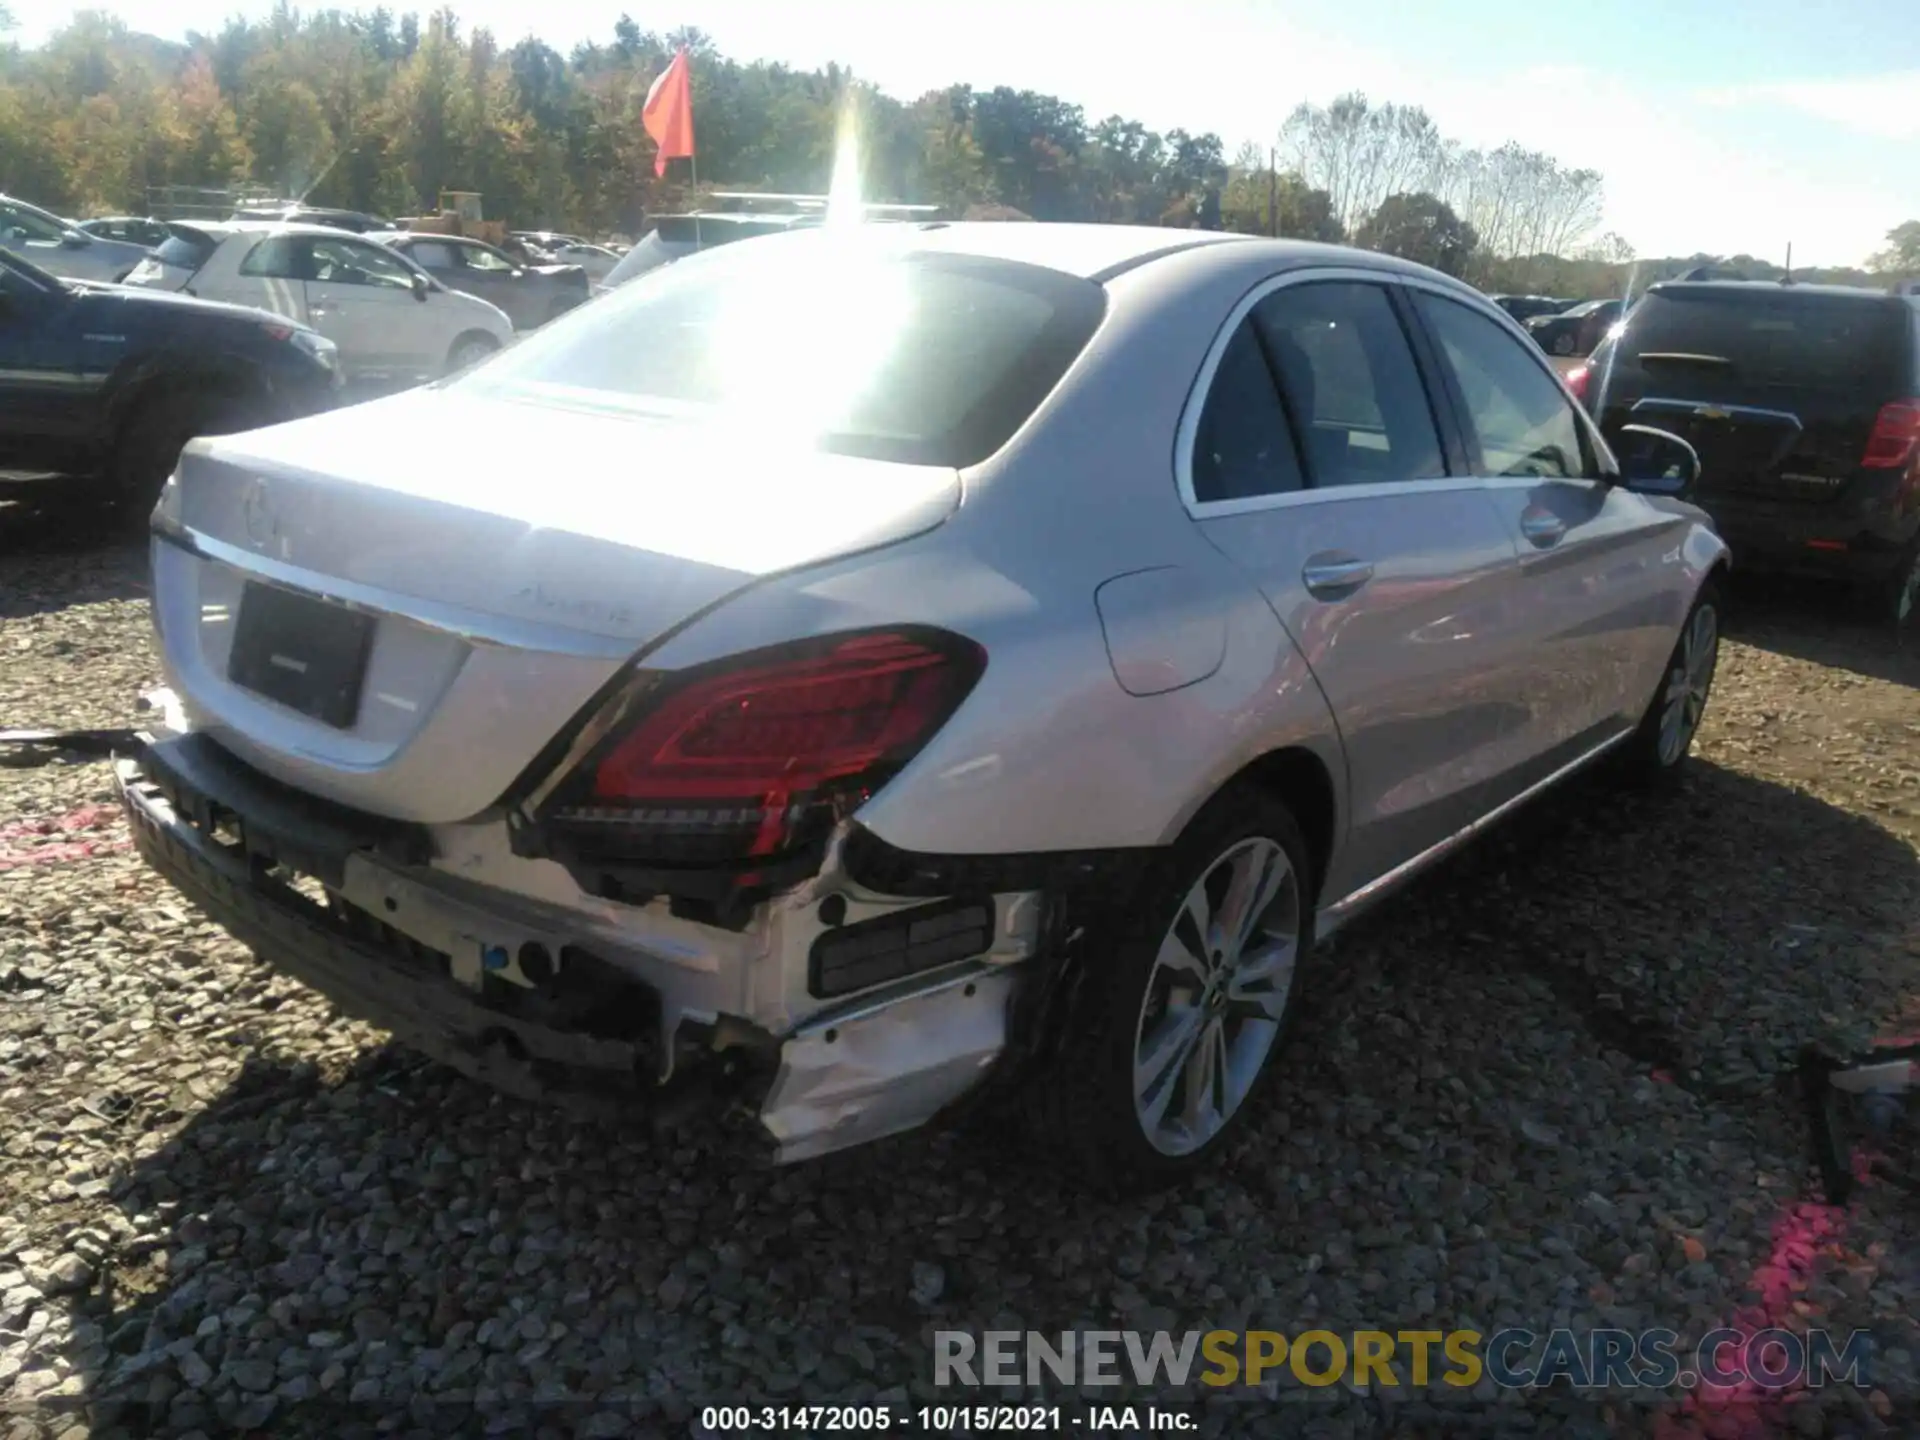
[{"x": 392, "y": 941}]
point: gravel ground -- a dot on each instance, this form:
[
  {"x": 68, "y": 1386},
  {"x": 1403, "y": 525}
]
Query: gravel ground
[{"x": 1546, "y": 1090}]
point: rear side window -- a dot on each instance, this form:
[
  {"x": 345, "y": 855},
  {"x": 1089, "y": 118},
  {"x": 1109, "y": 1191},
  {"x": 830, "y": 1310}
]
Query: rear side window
[
  {"x": 921, "y": 359},
  {"x": 1351, "y": 384},
  {"x": 278, "y": 257},
  {"x": 187, "y": 249},
  {"x": 1809, "y": 341},
  {"x": 1244, "y": 446}
]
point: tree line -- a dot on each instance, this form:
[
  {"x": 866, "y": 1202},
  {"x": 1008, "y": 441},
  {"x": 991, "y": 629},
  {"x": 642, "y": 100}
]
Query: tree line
[{"x": 380, "y": 111}]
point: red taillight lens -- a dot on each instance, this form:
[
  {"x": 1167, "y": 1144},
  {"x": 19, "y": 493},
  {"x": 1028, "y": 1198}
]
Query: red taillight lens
[
  {"x": 734, "y": 765},
  {"x": 1895, "y": 437},
  {"x": 1577, "y": 380}
]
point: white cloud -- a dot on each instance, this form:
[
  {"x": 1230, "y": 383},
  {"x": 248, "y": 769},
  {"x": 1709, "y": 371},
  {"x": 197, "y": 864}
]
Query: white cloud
[{"x": 1885, "y": 107}]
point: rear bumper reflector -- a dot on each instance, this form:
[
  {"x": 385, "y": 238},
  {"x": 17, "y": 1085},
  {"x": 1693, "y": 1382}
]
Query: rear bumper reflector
[{"x": 1826, "y": 544}]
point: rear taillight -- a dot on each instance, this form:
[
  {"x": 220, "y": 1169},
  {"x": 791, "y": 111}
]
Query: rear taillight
[
  {"x": 1895, "y": 437},
  {"x": 757, "y": 758},
  {"x": 1577, "y": 380}
]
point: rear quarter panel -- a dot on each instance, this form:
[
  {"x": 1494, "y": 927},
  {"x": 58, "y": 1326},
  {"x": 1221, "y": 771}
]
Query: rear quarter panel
[{"x": 1050, "y": 753}]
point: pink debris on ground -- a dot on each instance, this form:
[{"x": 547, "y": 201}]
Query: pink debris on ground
[
  {"x": 1750, "y": 1410},
  {"x": 86, "y": 828}
]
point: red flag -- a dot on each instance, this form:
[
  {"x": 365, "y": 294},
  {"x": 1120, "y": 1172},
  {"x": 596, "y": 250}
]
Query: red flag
[{"x": 668, "y": 114}]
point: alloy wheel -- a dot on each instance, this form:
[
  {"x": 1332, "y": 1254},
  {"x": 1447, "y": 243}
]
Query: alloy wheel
[
  {"x": 1906, "y": 598},
  {"x": 1688, "y": 683},
  {"x": 1216, "y": 996}
]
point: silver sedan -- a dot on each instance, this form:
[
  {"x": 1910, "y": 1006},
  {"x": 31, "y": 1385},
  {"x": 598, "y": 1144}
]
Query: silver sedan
[{"x": 852, "y": 678}]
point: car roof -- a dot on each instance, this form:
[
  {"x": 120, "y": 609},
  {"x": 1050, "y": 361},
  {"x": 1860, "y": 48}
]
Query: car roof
[
  {"x": 224, "y": 228},
  {"x": 1102, "y": 252},
  {"x": 1093, "y": 252},
  {"x": 1750, "y": 288},
  {"x": 28, "y": 205}
]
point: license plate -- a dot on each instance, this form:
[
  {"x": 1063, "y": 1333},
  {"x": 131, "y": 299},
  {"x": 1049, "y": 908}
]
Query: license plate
[{"x": 308, "y": 654}]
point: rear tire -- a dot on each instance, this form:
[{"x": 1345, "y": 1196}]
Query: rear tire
[
  {"x": 1187, "y": 998},
  {"x": 469, "y": 350},
  {"x": 1563, "y": 344},
  {"x": 1657, "y": 754},
  {"x": 1896, "y": 600}
]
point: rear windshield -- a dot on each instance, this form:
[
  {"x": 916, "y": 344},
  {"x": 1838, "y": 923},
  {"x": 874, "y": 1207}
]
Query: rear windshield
[
  {"x": 920, "y": 359},
  {"x": 185, "y": 248},
  {"x": 1814, "y": 341}
]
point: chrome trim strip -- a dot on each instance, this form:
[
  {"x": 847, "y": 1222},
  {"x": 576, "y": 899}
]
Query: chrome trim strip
[
  {"x": 1186, "y": 435},
  {"x": 464, "y": 625},
  {"x": 1331, "y": 917}
]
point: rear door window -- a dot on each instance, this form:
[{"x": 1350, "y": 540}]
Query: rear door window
[
  {"x": 279, "y": 257},
  {"x": 433, "y": 254},
  {"x": 1805, "y": 341},
  {"x": 1350, "y": 383},
  {"x": 356, "y": 262},
  {"x": 479, "y": 257}
]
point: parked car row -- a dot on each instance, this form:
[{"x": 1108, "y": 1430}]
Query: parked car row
[
  {"x": 54, "y": 245},
  {"x": 395, "y": 324}
]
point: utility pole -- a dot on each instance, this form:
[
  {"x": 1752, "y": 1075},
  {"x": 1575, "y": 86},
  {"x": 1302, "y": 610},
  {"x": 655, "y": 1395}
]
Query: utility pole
[{"x": 1273, "y": 193}]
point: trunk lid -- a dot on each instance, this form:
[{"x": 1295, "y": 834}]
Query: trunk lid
[
  {"x": 1776, "y": 388},
  {"x": 481, "y": 568}
]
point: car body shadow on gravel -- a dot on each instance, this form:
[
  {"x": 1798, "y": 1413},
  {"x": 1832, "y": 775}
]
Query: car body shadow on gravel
[
  {"x": 53, "y": 558},
  {"x": 1474, "y": 1128},
  {"x": 1821, "y": 623}
]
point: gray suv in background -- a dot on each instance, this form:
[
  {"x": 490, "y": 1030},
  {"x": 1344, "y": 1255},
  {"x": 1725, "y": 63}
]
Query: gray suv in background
[
  {"x": 58, "y": 248},
  {"x": 1803, "y": 402}
]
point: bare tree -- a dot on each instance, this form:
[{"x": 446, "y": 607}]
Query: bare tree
[
  {"x": 1360, "y": 153},
  {"x": 1519, "y": 202}
]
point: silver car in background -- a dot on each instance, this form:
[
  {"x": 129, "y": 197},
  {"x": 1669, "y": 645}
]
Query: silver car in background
[
  {"x": 63, "y": 249},
  {"x": 860, "y": 675}
]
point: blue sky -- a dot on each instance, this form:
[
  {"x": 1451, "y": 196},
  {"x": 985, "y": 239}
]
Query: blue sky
[{"x": 1721, "y": 125}]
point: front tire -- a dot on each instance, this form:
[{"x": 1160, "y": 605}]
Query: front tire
[
  {"x": 469, "y": 350},
  {"x": 1187, "y": 996},
  {"x": 1563, "y": 344},
  {"x": 150, "y": 444},
  {"x": 1659, "y": 749}
]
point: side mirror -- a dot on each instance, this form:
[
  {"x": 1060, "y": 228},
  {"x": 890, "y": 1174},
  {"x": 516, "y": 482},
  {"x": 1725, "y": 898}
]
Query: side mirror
[
  {"x": 1656, "y": 462},
  {"x": 422, "y": 287}
]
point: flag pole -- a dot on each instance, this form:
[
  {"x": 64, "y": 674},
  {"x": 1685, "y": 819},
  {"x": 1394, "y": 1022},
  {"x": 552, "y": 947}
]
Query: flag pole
[{"x": 693, "y": 165}]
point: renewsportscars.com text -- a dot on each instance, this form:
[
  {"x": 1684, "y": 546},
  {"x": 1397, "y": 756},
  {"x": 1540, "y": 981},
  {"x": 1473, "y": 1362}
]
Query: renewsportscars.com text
[{"x": 1512, "y": 1358}]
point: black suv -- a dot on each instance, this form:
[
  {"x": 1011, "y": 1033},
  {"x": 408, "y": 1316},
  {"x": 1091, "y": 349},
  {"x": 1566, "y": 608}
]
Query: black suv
[
  {"x": 1804, "y": 404},
  {"x": 101, "y": 385}
]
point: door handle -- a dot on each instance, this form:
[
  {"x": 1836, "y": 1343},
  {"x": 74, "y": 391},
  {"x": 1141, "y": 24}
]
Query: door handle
[
  {"x": 1335, "y": 577},
  {"x": 1543, "y": 530}
]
